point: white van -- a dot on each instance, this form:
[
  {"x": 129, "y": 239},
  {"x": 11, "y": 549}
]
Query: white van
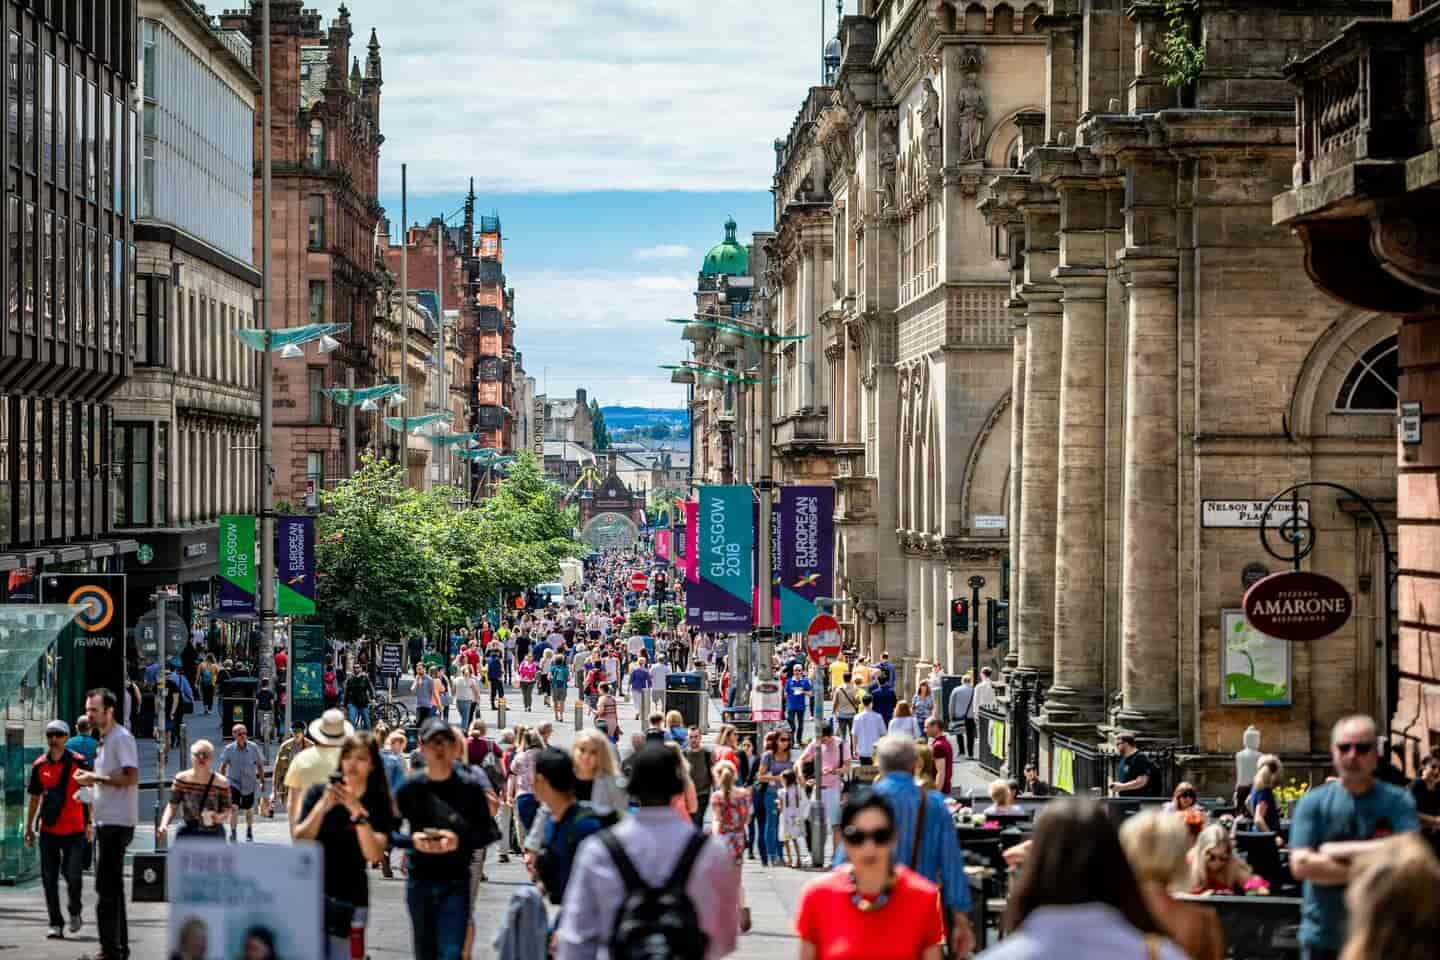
[{"x": 552, "y": 592}]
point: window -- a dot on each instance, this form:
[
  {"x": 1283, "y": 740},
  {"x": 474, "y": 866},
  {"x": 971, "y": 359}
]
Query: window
[
  {"x": 316, "y": 151},
  {"x": 317, "y": 221},
  {"x": 90, "y": 139},
  {"x": 314, "y": 383},
  {"x": 314, "y": 477},
  {"x": 151, "y": 326},
  {"x": 12, "y": 100},
  {"x": 47, "y": 282},
  {"x": 162, "y": 473},
  {"x": 62, "y": 279},
  {"x": 29, "y": 269},
  {"x": 130, "y": 471},
  {"x": 13, "y": 251},
  {"x": 27, "y": 121},
  {"x": 1373, "y": 383},
  {"x": 47, "y": 118},
  {"x": 62, "y": 127},
  {"x": 317, "y": 301}
]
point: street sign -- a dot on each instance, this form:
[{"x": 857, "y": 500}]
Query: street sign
[
  {"x": 1297, "y": 605},
  {"x": 822, "y": 639},
  {"x": 391, "y": 659},
  {"x": 638, "y": 580}
]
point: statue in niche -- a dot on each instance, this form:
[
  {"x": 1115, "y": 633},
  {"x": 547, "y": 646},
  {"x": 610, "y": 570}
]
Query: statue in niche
[
  {"x": 889, "y": 158},
  {"x": 971, "y": 113},
  {"x": 930, "y": 131}
]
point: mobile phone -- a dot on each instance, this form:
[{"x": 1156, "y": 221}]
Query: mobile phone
[{"x": 337, "y": 777}]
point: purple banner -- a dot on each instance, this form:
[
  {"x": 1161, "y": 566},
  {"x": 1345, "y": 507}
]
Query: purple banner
[
  {"x": 295, "y": 565},
  {"x": 807, "y": 553},
  {"x": 720, "y": 599}
]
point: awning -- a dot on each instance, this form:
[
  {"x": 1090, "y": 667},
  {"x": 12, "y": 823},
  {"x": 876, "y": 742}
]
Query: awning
[{"x": 26, "y": 631}]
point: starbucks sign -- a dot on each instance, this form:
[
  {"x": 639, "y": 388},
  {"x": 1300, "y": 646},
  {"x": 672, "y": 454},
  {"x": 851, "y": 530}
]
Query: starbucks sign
[
  {"x": 1297, "y": 605},
  {"x": 144, "y": 553}
]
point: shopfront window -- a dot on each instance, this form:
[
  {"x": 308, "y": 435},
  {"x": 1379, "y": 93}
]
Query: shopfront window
[{"x": 132, "y": 457}]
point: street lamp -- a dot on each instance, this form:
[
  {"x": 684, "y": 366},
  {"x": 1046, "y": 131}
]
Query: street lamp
[{"x": 365, "y": 398}]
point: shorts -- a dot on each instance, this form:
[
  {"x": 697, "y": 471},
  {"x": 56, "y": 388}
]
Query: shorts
[
  {"x": 557, "y": 692},
  {"x": 830, "y": 797},
  {"x": 243, "y": 801}
]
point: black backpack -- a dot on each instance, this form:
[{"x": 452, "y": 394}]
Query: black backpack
[{"x": 656, "y": 923}]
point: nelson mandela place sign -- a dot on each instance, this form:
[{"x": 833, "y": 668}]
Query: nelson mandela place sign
[{"x": 1297, "y": 605}]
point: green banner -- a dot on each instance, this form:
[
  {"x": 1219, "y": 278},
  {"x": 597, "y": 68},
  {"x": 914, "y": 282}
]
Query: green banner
[
  {"x": 237, "y": 564},
  {"x": 1065, "y": 769}
]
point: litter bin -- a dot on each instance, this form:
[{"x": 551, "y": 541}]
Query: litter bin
[
  {"x": 686, "y": 693},
  {"x": 237, "y": 705},
  {"x": 948, "y": 682}
]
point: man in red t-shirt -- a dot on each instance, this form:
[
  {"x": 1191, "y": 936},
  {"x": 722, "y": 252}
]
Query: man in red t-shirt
[
  {"x": 281, "y": 660},
  {"x": 944, "y": 754},
  {"x": 62, "y": 837}
]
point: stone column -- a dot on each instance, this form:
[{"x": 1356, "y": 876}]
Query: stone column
[
  {"x": 940, "y": 618},
  {"x": 914, "y": 619},
  {"x": 1039, "y": 461},
  {"x": 926, "y": 650},
  {"x": 1017, "y": 473},
  {"x": 1150, "y": 554},
  {"x": 1077, "y": 695}
]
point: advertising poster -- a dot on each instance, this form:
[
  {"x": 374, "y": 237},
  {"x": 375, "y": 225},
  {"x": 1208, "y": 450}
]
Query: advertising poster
[
  {"x": 1255, "y": 668},
  {"x": 662, "y": 544},
  {"x": 307, "y": 667},
  {"x": 720, "y": 598},
  {"x": 90, "y": 652},
  {"x": 295, "y": 565},
  {"x": 807, "y": 553},
  {"x": 391, "y": 660},
  {"x": 251, "y": 900},
  {"x": 237, "y": 565},
  {"x": 765, "y": 702},
  {"x": 692, "y": 529}
]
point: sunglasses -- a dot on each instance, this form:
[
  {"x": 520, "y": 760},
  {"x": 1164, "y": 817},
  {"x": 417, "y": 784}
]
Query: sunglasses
[
  {"x": 880, "y": 837},
  {"x": 1361, "y": 748},
  {"x": 202, "y": 754}
]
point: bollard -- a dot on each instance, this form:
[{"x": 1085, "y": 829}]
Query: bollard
[
  {"x": 500, "y": 713},
  {"x": 644, "y": 708},
  {"x": 579, "y": 713}
]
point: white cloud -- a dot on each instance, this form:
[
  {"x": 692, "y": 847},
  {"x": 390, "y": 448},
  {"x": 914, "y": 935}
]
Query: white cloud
[
  {"x": 603, "y": 330},
  {"x": 664, "y": 251},
  {"x": 563, "y": 95},
  {"x": 680, "y": 284}
]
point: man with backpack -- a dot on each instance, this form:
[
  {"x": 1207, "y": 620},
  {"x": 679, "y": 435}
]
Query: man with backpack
[
  {"x": 62, "y": 825},
  {"x": 567, "y": 822},
  {"x": 677, "y": 886}
]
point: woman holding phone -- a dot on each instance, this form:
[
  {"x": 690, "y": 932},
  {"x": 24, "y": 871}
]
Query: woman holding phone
[{"x": 350, "y": 817}]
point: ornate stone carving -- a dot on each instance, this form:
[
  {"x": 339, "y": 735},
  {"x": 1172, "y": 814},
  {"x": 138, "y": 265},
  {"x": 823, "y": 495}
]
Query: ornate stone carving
[
  {"x": 888, "y": 156},
  {"x": 970, "y": 116}
]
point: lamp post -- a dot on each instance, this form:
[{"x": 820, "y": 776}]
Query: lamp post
[{"x": 266, "y": 565}]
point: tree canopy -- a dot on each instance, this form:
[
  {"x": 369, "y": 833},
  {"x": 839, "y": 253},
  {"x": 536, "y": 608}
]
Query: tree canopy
[
  {"x": 599, "y": 433},
  {"x": 394, "y": 561}
]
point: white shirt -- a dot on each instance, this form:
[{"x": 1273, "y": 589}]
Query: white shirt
[
  {"x": 659, "y": 674},
  {"x": 1083, "y": 931},
  {"x": 868, "y": 728},
  {"x": 984, "y": 695},
  {"x": 904, "y": 727},
  {"x": 612, "y": 668},
  {"x": 962, "y": 702},
  {"x": 635, "y": 644},
  {"x": 116, "y": 806}
]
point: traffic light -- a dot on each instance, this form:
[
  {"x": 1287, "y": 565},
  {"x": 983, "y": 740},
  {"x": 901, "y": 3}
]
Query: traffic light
[
  {"x": 959, "y": 615},
  {"x": 998, "y": 633}
]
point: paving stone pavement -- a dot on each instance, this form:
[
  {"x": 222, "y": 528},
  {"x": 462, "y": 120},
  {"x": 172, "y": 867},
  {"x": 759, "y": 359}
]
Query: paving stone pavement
[{"x": 772, "y": 893}]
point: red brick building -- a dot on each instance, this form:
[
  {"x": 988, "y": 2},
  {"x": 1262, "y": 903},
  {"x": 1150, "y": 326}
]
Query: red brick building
[
  {"x": 491, "y": 328},
  {"x": 325, "y": 143}
]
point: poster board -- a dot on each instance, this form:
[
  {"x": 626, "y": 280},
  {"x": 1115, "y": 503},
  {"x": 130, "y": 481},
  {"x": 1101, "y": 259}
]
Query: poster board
[
  {"x": 223, "y": 897},
  {"x": 1254, "y": 668}
]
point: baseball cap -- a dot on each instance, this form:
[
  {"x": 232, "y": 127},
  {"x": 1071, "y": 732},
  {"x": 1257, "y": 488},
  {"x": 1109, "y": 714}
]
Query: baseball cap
[
  {"x": 433, "y": 727},
  {"x": 57, "y": 726}
]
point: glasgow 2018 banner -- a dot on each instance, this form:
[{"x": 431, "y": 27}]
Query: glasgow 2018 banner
[
  {"x": 807, "y": 553},
  {"x": 295, "y": 561},
  {"x": 237, "y": 565},
  {"x": 720, "y": 598}
]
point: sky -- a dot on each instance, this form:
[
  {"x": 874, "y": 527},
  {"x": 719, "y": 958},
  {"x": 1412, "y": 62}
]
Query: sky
[{"x": 612, "y": 137}]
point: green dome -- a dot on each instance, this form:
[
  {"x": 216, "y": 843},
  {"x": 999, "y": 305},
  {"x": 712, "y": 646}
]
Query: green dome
[{"x": 727, "y": 257}]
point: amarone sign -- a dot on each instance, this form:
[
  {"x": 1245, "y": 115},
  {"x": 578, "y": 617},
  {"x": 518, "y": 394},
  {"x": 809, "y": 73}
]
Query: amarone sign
[{"x": 1297, "y": 605}]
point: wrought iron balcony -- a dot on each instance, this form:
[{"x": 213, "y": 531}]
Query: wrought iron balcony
[
  {"x": 491, "y": 273},
  {"x": 489, "y": 417},
  {"x": 491, "y": 368}
]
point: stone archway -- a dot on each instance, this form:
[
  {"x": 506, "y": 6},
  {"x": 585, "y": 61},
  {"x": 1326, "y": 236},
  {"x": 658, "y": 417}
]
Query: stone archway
[{"x": 607, "y": 530}]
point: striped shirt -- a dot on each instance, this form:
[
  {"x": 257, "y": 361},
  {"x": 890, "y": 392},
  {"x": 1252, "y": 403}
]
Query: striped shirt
[{"x": 941, "y": 861}]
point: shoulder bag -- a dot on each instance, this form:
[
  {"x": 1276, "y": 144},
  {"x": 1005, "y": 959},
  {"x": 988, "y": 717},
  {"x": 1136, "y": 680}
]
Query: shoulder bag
[{"x": 52, "y": 804}]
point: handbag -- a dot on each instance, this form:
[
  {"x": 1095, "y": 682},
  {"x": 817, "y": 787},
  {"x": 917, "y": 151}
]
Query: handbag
[{"x": 196, "y": 827}]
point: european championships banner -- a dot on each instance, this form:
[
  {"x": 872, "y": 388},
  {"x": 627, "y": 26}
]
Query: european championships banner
[
  {"x": 774, "y": 566},
  {"x": 295, "y": 563},
  {"x": 807, "y": 552},
  {"x": 720, "y": 599},
  {"x": 237, "y": 564}
]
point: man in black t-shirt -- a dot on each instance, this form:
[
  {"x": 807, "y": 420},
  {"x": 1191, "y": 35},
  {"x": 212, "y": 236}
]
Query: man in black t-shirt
[
  {"x": 449, "y": 818},
  {"x": 1136, "y": 776}
]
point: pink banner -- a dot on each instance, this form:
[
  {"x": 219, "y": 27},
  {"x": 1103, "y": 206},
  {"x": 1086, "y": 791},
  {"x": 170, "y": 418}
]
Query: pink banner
[
  {"x": 662, "y": 544},
  {"x": 692, "y": 541}
]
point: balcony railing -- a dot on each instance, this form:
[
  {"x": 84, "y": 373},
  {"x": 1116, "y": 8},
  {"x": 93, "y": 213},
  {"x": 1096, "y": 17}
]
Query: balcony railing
[
  {"x": 802, "y": 428},
  {"x": 491, "y": 368},
  {"x": 491, "y": 319},
  {"x": 489, "y": 418},
  {"x": 1362, "y": 98},
  {"x": 491, "y": 274}
]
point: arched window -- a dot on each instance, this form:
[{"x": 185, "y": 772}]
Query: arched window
[
  {"x": 1373, "y": 383},
  {"x": 1012, "y": 156},
  {"x": 316, "y": 151}
]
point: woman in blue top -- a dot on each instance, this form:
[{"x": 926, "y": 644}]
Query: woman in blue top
[
  {"x": 639, "y": 683},
  {"x": 1262, "y": 804}
]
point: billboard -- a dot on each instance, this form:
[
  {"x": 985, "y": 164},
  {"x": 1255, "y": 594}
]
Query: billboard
[
  {"x": 307, "y": 670},
  {"x": 807, "y": 553},
  {"x": 90, "y": 652}
]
